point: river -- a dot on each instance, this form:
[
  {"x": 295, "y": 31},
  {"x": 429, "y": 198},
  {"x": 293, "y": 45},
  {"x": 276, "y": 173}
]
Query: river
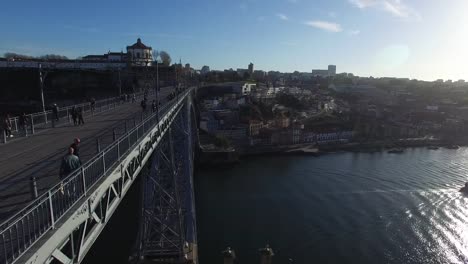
[{"x": 338, "y": 208}]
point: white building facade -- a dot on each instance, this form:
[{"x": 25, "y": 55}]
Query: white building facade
[{"x": 139, "y": 54}]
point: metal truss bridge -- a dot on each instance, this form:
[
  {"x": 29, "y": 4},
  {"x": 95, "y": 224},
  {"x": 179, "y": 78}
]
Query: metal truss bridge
[{"x": 64, "y": 221}]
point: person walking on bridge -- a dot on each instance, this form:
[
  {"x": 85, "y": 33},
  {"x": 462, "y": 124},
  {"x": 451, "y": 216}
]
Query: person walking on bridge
[
  {"x": 23, "y": 122},
  {"x": 80, "y": 116},
  {"x": 93, "y": 104},
  {"x": 143, "y": 105},
  {"x": 74, "y": 114},
  {"x": 7, "y": 126},
  {"x": 76, "y": 147},
  {"x": 69, "y": 163},
  {"x": 154, "y": 106},
  {"x": 55, "y": 110}
]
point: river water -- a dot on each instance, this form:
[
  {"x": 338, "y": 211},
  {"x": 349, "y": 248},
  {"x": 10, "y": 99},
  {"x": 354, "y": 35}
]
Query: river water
[{"x": 338, "y": 208}]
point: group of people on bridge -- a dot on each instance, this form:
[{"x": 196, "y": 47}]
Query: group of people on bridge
[
  {"x": 126, "y": 97},
  {"x": 7, "y": 126},
  {"x": 72, "y": 161}
]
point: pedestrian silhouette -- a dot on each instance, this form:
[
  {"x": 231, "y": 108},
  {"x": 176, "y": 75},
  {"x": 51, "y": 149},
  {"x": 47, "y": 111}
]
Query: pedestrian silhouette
[
  {"x": 7, "y": 126},
  {"x": 80, "y": 116},
  {"x": 23, "y": 122},
  {"x": 76, "y": 147},
  {"x": 74, "y": 114},
  {"x": 55, "y": 110},
  {"x": 69, "y": 163},
  {"x": 143, "y": 105}
]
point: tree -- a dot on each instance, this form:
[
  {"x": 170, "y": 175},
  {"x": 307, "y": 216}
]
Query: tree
[
  {"x": 289, "y": 101},
  {"x": 156, "y": 56},
  {"x": 16, "y": 56},
  {"x": 221, "y": 142},
  {"x": 53, "y": 57},
  {"x": 11, "y": 55},
  {"x": 165, "y": 58}
]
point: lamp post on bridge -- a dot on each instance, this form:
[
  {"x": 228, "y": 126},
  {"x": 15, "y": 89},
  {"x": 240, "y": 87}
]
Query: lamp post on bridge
[
  {"x": 266, "y": 255},
  {"x": 120, "y": 84},
  {"x": 156, "y": 59},
  {"x": 41, "y": 81},
  {"x": 229, "y": 256}
]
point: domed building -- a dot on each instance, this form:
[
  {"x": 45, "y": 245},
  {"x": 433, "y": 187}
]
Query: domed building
[{"x": 139, "y": 54}]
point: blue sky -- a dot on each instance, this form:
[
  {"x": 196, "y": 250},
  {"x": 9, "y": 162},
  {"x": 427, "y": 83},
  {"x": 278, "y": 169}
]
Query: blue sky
[{"x": 423, "y": 39}]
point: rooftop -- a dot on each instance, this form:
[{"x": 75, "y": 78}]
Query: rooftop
[{"x": 138, "y": 45}]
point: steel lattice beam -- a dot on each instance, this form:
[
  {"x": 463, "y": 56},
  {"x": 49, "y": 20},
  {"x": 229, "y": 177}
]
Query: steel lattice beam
[{"x": 167, "y": 225}]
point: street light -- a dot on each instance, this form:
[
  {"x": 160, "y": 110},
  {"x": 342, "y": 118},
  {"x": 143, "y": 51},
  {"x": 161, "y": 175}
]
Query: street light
[
  {"x": 155, "y": 57},
  {"x": 120, "y": 84},
  {"x": 41, "y": 80}
]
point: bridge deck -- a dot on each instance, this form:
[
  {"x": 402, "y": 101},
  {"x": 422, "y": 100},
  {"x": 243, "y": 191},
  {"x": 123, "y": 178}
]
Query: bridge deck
[{"x": 40, "y": 155}]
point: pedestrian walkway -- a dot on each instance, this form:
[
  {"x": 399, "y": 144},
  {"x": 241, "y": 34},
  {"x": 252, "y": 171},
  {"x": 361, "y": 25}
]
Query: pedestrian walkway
[
  {"x": 40, "y": 155},
  {"x": 38, "y": 122}
]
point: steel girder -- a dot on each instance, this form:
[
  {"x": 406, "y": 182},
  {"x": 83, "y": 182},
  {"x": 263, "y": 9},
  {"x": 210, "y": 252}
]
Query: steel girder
[{"x": 167, "y": 225}]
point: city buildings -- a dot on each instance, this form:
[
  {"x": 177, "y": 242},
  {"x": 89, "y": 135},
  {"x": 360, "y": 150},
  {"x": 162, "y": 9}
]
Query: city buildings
[
  {"x": 320, "y": 73},
  {"x": 246, "y": 72},
  {"x": 243, "y": 88},
  {"x": 139, "y": 54},
  {"x": 330, "y": 72},
  {"x": 259, "y": 75},
  {"x": 254, "y": 127},
  {"x": 205, "y": 70},
  {"x": 251, "y": 69}
]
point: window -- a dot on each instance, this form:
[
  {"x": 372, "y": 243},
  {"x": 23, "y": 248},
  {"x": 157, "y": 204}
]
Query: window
[{"x": 138, "y": 55}]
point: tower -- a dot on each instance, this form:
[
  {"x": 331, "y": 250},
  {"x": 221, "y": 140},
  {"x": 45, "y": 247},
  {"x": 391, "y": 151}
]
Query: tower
[
  {"x": 251, "y": 68},
  {"x": 331, "y": 70}
]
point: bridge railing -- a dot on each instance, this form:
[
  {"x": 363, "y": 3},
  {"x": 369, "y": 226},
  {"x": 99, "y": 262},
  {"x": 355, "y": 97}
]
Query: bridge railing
[
  {"x": 47, "y": 119},
  {"x": 26, "y": 227}
]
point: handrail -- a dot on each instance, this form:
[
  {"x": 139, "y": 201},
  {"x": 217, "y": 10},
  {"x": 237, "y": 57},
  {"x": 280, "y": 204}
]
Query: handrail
[
  {"x": 41, "y": 120},
  {"x": 118, "y": 98},
  {"x": 26, "y": 227}
]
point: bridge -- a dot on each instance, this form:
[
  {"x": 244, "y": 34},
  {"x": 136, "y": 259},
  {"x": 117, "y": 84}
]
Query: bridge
[{"x": 59, "y": 221}]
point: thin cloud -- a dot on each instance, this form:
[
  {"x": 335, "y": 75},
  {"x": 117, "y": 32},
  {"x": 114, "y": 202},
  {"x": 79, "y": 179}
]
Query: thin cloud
[
  {"x": 354, "y": 32},
  {"x": 396, "y": 8},
  {"x": 332, "y": 14},
  {"x": 261, "y": 18},
  {"x": 363, "y": 3},
  {"x": 282, "y": 17},
  {"x": 393, "y": 9},
  {"x": 325, "y": 25}
]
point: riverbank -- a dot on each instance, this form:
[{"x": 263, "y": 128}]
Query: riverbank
[
  {"x": 234, "y": 156},
  {"x": 366, "y": 147}
]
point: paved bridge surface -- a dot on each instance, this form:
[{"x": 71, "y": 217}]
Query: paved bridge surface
[
  {"x": 64, "y": 221},
  {"x": 40, "y": 155}
]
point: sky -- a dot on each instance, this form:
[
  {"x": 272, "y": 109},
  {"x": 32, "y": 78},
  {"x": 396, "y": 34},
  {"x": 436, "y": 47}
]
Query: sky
[{"x": 422, "y": 39}]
